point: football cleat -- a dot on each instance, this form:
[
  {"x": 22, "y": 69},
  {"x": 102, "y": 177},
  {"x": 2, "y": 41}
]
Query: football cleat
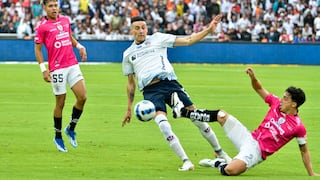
[
  {"x": 187, "y": 166},
  {"x": 177, "y": 105},
  {"x": 72, "y": 136},
  {"x": 60, "y": 145},
  {"x": 211, "y": 162}
]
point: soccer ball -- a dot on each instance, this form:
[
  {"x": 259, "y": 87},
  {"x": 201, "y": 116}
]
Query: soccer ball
[{"x": 145, "y": 110}]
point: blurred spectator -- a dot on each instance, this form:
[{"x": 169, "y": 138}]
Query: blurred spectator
[
  {"x": 233, "y": 23},
  {"x": 84, "y": 4},
  {"x": 262, "y": 36},
  {"x": 156, "y": 15},
  {"x": 115, "y": 22},
  {"x": 317, "y": 25},
  {"x": 8, "y": 28},
  {"x": 306, "y": 31},
  {"x": 74, "y": 6},
  {"x": 180, "y": 30},
  {"x": 285, "y": 37},
  {"x": 273, "y": 35},
  {"x": 107, "y": 18},
  {"x": 312, "y": 39},
  {"x": 245, "y": 34},
  {"x": 212, "y": 8},
  {"x": 24, "y": 28},
  {"x": 308, "y": 19},
  {"x": 299, "y": 38},
  {"x": 65, "y": 7},
  {"x": 243, "y": 22},
  {"x": 258, "y": 27},
  {"x": 269, "y": 15},
  {"x": 36, "y": 9},
  {"x": 125, "y": 28},
  {"x": 233, "y": 35}
]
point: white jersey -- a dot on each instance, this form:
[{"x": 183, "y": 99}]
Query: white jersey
[{"x": 149, "y": 60}]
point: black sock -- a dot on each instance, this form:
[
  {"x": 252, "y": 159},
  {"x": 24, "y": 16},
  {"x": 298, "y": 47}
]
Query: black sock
[
  {"x": 200, "y": 115},
  {"x": 221, "y": 169},
  {"x": 76, "y": 113},
  {"x": 57, "y": 127}
]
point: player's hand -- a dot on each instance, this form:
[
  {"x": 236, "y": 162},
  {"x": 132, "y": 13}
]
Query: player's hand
[
  {"x": 215, "y": 21},
  {"x": 126, "y": 118},
  {"x": 83, "y": 54},
  {"x": 46, "y": 76},
  {"x": 250, "y": 71}
]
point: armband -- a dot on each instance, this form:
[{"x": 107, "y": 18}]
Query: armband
[
  {"x": 42, "y": 67},
  {"x": 79, "y": 46}
]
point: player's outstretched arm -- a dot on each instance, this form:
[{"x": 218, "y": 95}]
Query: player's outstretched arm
[
  {"x": 306, "y": 158},
  {"x": 194, "y": 38},
  {"x": 131, "y": 88},
  {"x": 40, "y": 59},
  {"x": 256, "y": 84}
]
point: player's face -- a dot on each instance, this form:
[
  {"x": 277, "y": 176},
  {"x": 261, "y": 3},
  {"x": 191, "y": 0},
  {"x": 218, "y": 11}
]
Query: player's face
[
  {"x": 286, "y": 104},
  {"x": 52, "y": 10},
  {"x": 139, "y": 31}
]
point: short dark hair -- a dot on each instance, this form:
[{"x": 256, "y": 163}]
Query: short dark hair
[
  {"x": 137, "y": 18},
  {"x": 297, "y": 95},
  {"x": 46, "y": 1}
]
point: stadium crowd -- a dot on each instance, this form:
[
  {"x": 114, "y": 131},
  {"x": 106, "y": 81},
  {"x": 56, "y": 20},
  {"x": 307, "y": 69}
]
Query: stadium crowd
[{"x": 284, "y": 21}]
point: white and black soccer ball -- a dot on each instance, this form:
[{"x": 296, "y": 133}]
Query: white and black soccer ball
[{"x": 145, "y": 110}]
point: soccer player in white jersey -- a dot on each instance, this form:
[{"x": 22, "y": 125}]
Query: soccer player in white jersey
[
  {"x": 146, "y": 59},
  {"x": 55, "y": 33},
  {"x": 280, "y": 125}
]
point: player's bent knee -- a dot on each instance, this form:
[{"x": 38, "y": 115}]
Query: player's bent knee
[{"x": 222, "y": 115}]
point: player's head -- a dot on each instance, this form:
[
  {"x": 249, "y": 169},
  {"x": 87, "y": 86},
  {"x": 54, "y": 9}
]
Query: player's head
[
  {"x": 139, "y": 29},
  {"x": 52, "y": 8},
  {"x": 297, "y": 95}
]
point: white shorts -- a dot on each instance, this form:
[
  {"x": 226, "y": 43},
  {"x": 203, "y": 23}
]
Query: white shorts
[
  {"x": 247, "y": 146},
  {"x": 61, "y": 77}
]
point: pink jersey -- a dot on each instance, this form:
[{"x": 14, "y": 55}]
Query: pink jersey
[
  {"x": 55, "y": 35},
  {"x": 278, "y": 128}
]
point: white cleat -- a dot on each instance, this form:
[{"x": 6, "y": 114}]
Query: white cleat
[
  {"x": 177, "y": 105},
  {"x": 210, "y": 162},
  {"x": 187, "y": 166}
]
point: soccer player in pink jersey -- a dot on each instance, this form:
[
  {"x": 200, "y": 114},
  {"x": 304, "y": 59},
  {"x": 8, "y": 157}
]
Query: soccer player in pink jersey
[
  {"x": 281, "y": 124},
  {"x": 55, "y": 33}
]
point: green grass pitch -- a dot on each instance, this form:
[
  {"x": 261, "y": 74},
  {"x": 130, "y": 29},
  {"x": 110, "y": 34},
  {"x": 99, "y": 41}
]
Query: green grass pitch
[{"x": 138, "y": 151}]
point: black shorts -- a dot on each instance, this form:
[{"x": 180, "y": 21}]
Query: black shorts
[{"x": 160, "y": 94}]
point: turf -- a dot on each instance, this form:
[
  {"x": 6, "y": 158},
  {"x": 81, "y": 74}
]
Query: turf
[{"x": 138, "y": 151}]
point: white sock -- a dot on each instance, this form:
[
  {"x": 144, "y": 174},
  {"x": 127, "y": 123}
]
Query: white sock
[
  {"x": 208, "y": 134},
  {"x": 170, "y": 137}
]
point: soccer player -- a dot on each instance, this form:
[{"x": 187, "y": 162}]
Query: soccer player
[
  {"x": 281, "y": 124},
  {"x": 55, "y": 33},
  {"x": 147, "y": 60}
]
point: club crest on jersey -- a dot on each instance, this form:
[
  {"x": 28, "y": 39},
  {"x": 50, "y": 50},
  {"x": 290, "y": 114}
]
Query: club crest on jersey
[
  {"x": 60, "y": 28},
  {"x": 133, "y": 57},
  {"x": 281, "y": 120}
]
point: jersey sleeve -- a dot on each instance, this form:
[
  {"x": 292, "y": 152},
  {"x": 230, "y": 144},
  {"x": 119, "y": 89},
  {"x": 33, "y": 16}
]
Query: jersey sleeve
[
  {"x": 39, "y": 34},
  {"x": 271, "y": 99},
  {"x": 167, "y": 40},
  {"x": 127, "y": 67}
]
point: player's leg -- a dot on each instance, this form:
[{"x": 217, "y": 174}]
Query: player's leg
[
  {"x": 77, "y": 84},
  {"x": 180, "y": 99},
  {"x": 156, "y": 94},
  {"x": 244, "y": 142},
  {"x": 59, "y": 90},
  {"x": 173, "y": 140}
]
